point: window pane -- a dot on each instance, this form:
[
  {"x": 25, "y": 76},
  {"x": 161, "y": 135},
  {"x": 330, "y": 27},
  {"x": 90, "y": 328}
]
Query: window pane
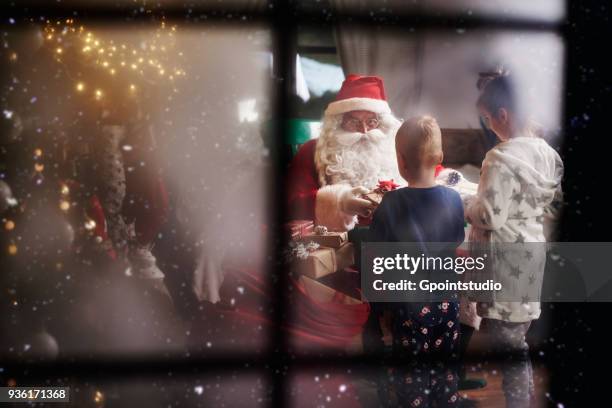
[
  {"x": 138, "y": 168},
  {"x": 424, "y": 72}
]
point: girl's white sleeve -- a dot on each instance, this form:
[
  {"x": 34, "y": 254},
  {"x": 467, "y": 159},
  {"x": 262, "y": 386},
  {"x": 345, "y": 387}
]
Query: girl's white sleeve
[{"x": 488, "y": 209}]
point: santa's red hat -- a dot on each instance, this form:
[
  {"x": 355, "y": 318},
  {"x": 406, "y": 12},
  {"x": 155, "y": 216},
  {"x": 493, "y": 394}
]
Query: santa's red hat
[{"x": 359, "y": 92}]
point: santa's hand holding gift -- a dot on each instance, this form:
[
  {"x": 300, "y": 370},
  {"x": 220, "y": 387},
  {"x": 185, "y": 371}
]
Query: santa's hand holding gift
[{"x": 329, "y": 176}]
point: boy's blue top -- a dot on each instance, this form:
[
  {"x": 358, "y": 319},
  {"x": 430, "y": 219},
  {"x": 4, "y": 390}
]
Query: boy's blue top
[
  {"x": 433, "y": 214},
  {"x": 424, "y": 215}
]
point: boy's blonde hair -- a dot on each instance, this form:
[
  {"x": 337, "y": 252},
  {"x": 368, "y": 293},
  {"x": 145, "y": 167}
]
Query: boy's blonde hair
[{"x": 419, "y": 141}]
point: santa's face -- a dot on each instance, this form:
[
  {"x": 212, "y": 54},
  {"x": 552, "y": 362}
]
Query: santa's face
[
  {"x": 357, "y": 148},
  {"x": 359, "y": 121}
]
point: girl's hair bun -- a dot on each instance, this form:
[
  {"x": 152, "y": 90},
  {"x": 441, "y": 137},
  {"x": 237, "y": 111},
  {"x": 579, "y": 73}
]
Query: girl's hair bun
[{"x": 487, "y": 76}]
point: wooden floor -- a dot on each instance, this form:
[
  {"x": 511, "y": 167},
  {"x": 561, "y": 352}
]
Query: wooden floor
[
  {"x": 490, "y": 396},
  {"x": 493, "y": 396}
]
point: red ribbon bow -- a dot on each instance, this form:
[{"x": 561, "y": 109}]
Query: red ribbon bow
[{"x": 386, "y": 185}]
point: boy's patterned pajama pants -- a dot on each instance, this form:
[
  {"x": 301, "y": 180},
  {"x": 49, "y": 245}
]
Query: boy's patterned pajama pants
[{"x": 429, "y": 376}]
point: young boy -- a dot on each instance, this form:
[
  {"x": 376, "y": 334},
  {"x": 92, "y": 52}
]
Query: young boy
[{"x": 424, "y": 212}]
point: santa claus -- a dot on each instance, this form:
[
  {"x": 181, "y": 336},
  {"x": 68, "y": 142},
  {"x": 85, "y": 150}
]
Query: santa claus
[{"x": 355, "y": 150}]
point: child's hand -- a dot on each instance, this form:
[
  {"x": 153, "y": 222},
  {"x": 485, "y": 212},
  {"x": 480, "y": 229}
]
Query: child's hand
[{"x": 351, "y": 203}]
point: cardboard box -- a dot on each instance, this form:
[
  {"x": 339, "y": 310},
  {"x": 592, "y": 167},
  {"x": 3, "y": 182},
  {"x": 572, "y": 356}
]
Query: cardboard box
[
  {"x": 329, "y": 239},
  {"x": 325, "y": 294},
  {"x": 324, "y": 261}
]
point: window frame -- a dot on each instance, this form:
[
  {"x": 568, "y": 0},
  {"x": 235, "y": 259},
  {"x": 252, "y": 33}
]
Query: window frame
[{"x": 282, "y": 19}]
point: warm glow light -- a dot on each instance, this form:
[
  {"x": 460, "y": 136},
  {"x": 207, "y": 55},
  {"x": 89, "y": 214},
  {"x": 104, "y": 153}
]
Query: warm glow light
[
  {"x": 90, "y": 224},
  {"x": 98, "y": 397},
  {"x": 114, "y": 56},
  {"x": 9, "y": 225},
  {"x": 64, "y": 205}
]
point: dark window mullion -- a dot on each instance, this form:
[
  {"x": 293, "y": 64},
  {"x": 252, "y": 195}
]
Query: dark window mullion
[{"x": 284, "y": 34}]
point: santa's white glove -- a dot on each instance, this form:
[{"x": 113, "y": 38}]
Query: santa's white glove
[{"x": 351, "y": 203}]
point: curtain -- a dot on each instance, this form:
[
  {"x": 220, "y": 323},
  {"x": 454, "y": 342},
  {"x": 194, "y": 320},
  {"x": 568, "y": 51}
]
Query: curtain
[
  {"x": 385, "y": 53},
  {"x": 435, "y": 71}
]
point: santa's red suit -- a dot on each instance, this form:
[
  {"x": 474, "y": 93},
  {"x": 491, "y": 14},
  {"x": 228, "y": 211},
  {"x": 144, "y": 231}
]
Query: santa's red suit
[{"x": 325, "y": 169}]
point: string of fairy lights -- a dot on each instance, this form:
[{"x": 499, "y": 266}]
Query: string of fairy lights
[{"x": 154, "y": 59}]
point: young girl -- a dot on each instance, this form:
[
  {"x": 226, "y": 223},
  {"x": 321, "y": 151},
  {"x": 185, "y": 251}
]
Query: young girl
[{"x": 519, "y": 188}]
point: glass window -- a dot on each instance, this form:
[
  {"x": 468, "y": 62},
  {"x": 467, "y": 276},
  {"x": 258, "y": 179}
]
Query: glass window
[{"x": 137, "y": 162}]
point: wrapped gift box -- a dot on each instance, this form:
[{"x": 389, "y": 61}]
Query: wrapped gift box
[
  {"x": 299, "y": 228},
  {"x": 325, "y": 294},
  {"x": 324, "y": 261},
  {"x": 376, "y": 195},
  {"x": 328, "y": 239}
]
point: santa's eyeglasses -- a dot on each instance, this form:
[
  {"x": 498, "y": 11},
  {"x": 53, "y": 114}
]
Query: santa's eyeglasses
[{"x": 355, "y": 124}]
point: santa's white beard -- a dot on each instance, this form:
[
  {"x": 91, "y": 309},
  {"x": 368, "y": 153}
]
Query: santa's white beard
[{"x": 370, "y": 159}]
